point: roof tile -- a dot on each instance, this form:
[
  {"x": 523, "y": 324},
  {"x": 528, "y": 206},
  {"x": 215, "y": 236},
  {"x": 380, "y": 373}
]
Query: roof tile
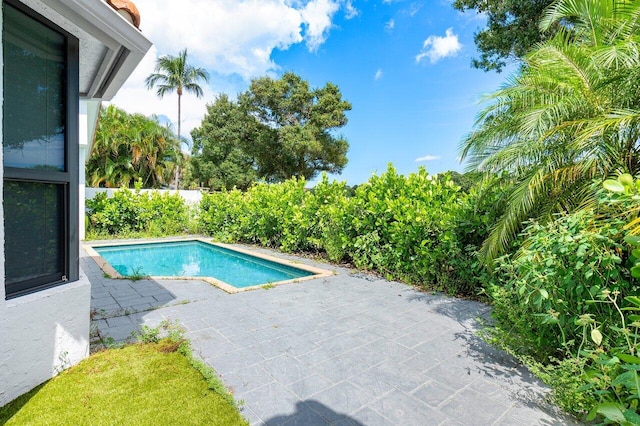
[{"x": 127, "y": 7}]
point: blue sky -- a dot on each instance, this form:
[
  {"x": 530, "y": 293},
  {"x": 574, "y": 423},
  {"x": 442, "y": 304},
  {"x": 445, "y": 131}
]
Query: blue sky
[{"x": 404, "y": 66}]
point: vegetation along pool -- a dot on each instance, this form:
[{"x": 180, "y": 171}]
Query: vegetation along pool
[{"x": 222, "y": 266}]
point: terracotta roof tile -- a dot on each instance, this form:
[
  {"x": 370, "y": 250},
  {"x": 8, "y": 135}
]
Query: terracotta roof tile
[{"x": 129, "y": 8}]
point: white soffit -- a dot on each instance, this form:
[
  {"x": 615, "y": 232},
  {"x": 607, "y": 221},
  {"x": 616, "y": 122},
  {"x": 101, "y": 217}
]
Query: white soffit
[{"x": 110, "y": 46}]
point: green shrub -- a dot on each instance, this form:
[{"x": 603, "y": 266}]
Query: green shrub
[
  {"x": 542, "y": 290},
  {"x": 567, "y": 297},
  {"x": 403, "y": 227},
  {"x": 221, "y": 215},
  {"x": 612, "y": 366},
  {"x": 333, "y": 217},
  {"x": 133, "y": 213}
]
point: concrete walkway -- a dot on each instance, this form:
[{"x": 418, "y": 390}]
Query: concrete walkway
[{"x": 350, "y": 349}]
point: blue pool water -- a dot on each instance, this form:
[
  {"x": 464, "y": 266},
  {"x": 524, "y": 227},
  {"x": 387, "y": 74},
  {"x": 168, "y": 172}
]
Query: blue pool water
[{"x": 196, "y": 259}]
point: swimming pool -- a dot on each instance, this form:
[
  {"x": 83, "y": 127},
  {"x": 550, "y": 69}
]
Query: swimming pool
[{"x": 230, "y": 269}]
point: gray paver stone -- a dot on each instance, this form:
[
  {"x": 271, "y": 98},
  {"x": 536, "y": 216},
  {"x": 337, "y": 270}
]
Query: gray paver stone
[
  {"x": 350, "y": 349},
  {"x": 400, "y": 408}
]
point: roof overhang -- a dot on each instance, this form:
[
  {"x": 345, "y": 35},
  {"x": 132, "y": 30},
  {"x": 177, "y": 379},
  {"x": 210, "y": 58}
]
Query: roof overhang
[{"x": 111, "y": 47}]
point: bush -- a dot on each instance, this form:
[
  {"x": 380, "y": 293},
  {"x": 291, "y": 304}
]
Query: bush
[
  {"x": 133, "y": 213},
  {"x": 402, "y": 227},
  {"x": 542, "y": 290},
  {"x": 567, "y": 297}
]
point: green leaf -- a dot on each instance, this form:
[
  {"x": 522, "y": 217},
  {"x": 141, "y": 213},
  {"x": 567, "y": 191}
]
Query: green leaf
[
  {"x": 629, "y": 358},
  {"x": 632, "y": 239},
  {"x": 626, "y": 379},
  {"x": 596, "y": 336},
  {"x": 592, "y": 414},
  {"x": 613, "y": 186},
  {"x": 632, "y": 417},
  {"x": 633, "y": 299},
  {"x": 635, "y": 271},
  {"x": 544, "y": 293},
  {"x": 611, "y": 411},
  {"x": 626, "y": 179}
]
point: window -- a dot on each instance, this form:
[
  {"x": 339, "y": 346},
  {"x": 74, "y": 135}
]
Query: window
[{"x": 40, "y": 152}]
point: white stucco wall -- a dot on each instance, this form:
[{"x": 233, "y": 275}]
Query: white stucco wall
[{"x": 41, "y": 333}]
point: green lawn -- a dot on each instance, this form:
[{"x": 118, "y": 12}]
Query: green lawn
[{"x": 141, "y": 384}]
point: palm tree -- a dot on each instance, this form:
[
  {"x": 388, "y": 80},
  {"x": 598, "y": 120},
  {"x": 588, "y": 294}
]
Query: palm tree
[
  {"x": 173, "y": 73},
  {"x": 129, "y": 147},
  {"x": 571, "y": 114}
]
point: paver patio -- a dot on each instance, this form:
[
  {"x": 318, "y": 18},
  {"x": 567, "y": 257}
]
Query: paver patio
[{"x": 351, "y": 349}]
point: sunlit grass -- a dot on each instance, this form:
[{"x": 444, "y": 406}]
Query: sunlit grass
[{"x": 141, "y": 384}]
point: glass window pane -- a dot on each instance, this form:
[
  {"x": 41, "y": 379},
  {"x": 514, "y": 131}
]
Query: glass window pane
[
  {"x": 34, "y": 231},
  {"x": 34, "y": 93}
]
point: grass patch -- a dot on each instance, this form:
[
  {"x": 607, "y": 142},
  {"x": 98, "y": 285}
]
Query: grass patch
[{"x": 147, "y": 383}]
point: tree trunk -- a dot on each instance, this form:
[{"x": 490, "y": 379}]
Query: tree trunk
[{"x": 179, "y": 143}]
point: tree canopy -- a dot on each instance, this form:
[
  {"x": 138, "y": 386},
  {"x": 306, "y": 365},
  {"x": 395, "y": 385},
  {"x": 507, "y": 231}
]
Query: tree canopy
[
  {"x": 512, "y": 30},
  {"x": 129, "y": 147},
  {"x": 570, "y": 115},
  {"x": 277, "y": 129},
  {"x": 219, "y": 159}
]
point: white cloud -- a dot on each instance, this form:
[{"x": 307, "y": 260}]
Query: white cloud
[
  {"x": 350, "y": 11},
  {"x": 316, "y": 16},
  {"x": 378, "y": 75},
  {"x": 427, "y": 158},
  {"x": 390, "y": 25},
  {"x": 237, "y": 36},
  {"x": 437, "y": 47}
]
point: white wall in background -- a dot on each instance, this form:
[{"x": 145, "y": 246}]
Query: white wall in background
[{"x": 190, "y": 196}]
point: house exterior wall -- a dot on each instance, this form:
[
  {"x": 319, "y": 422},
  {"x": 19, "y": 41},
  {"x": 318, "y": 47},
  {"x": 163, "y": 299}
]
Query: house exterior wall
[
  {"x": 47, "y": 331},
  {"x": 41, "y": 333}
]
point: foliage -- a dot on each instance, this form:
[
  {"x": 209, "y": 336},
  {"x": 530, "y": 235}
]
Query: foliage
[
  {"x": 622, "y": 196},
  {"x": 300, "y": 121},
  {"x": 403, "y": 227},
  {"x": 566, "y": 379},
  {"x": 128, "y": 148},
  {"x": 219, "y": 160},
  {"x": 175, "y": 74},
  {"x": 613, "y": 361},
  {"x": 129, "y": 213},
  {"x": 139, "y": 384},
  {"x": 276, "y": 130},
  {"x": 565, "y": 118},
  {"x": 613, "y": 353},
  {"x": 512, "y": 30},
  {"x": 568, "y": 297},
  {"x": 467, "y": 180},
  {"x": 542, "y": 290},
  {"x": 418, "y": 228}
]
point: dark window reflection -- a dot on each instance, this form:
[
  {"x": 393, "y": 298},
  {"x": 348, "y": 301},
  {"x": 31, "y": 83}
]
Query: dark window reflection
[
  {"x": 34, "y": 94},
  {"x": 34, "y": 231}
]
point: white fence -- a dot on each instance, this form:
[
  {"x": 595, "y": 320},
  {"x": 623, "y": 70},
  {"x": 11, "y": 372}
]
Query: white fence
[{"x": 190, "y": 196}]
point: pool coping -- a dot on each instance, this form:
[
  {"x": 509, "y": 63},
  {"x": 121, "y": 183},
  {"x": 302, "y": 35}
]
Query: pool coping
[{"x": 112, "y": 273}]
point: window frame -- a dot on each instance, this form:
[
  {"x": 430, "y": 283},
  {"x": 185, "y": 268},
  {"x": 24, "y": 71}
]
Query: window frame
[{"x": 68, "y": 179}]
